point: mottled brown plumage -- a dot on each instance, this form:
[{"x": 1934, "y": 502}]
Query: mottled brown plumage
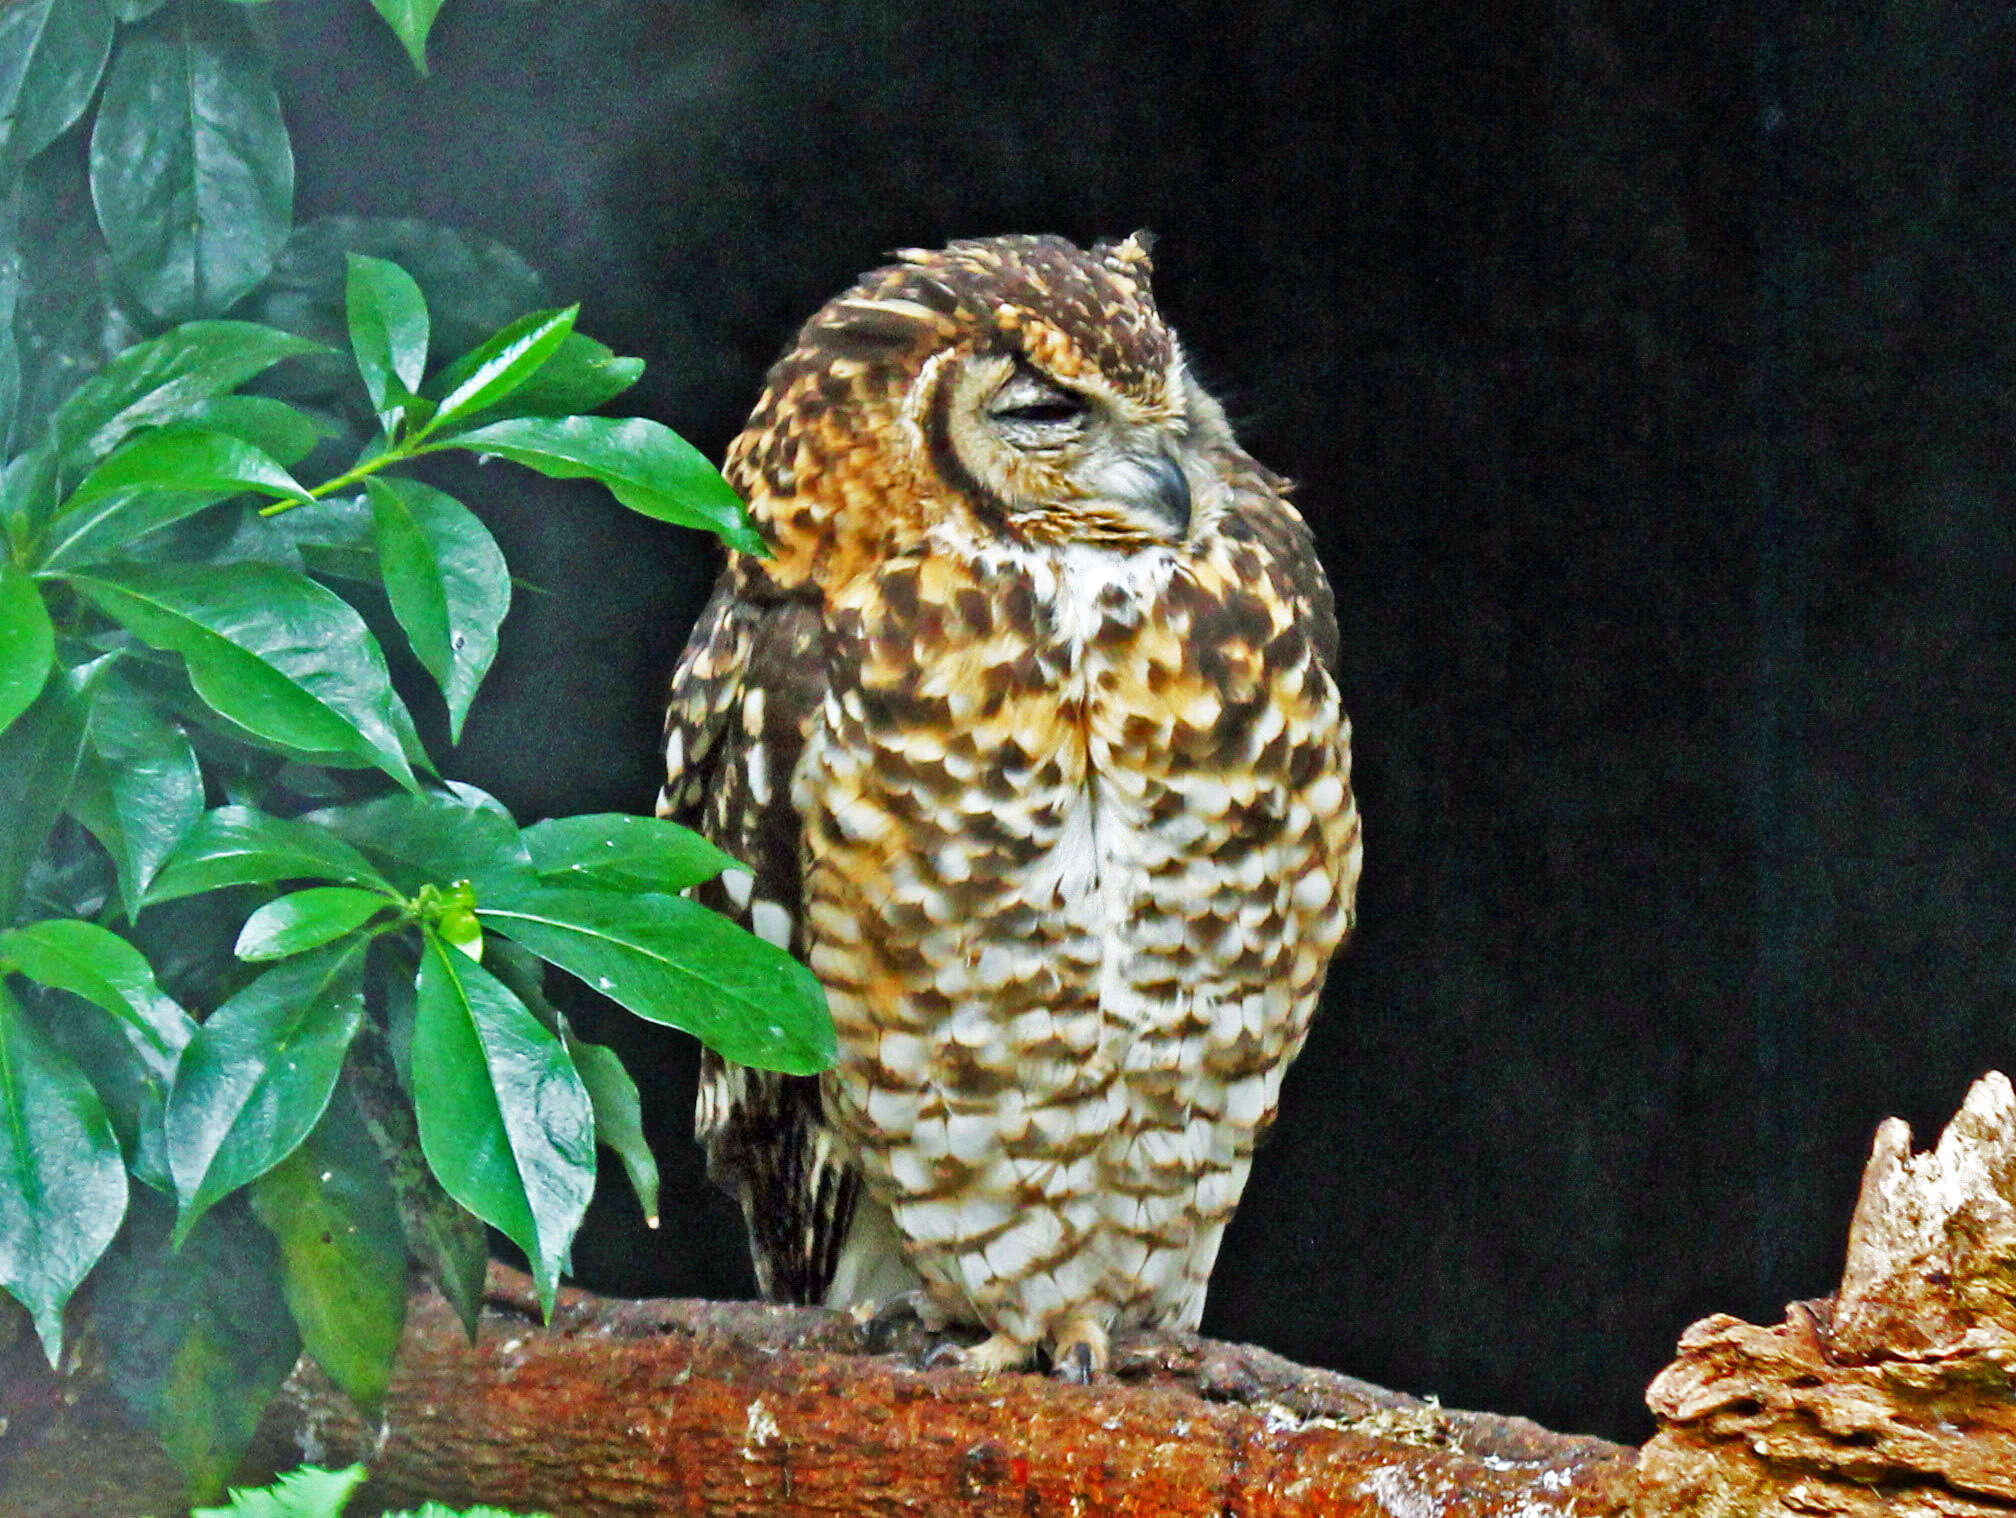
[{"x": 1029, "y": 734}]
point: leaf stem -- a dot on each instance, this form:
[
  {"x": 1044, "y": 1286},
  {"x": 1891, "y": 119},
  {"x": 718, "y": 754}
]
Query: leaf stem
[{"x": 397, "y": 454}]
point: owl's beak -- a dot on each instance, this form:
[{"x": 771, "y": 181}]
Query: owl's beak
[{"x": 1168, "y": 493}]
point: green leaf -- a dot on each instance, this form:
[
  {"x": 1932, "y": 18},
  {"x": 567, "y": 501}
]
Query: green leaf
[
  {"x": 435, "y": 837},
  {"x": 410, "y": 21},
  {"x": 103, "y": 968},
  {"x": 444, "y": 1236},
  {"x": 497, "y": 366},
  {"x": 236, "y": 845},
  {"x": 140, "y": 790},
  {"x": 447, "y": 581},
  {"x": 118, "y": 525},
  {"x": 191, "y": 170},
  {"x": 581, "y": 375},
  {"x": 269, "y": 649},
  {"x": 130, "y": 1073},
  {"x": 164, "y": 380},
  {"x": 619, "y": 1119},
  {"x": 187, "y": 459},
  {"x": 672, "y": 961},
  {"x": 195, "y": 1342},
  {"x": 343, "y": 1256},
  {"x": 504, "y": 1120},
  {"x": 274, "y": 427},
  {"x": 258, "y": 1073},
  {"x": 62, "y": 1181},
  {"x": 645, "y": 464},
  {"x": 306, "y": 920},
  {"x": 388, "y": 329},
  {"x": 39, "y": 754},
  {"x": 51, "y": 54},
  {"x": 28, "y": 493},
  {"x": 472, "y": 286},
  {"x": 305, "y": 1492},
  {"x": 27, "y": 642},
  {"x": 619, "y": 852}
]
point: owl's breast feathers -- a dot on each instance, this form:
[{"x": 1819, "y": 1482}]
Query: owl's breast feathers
[{"x": 1079, "y": 843}]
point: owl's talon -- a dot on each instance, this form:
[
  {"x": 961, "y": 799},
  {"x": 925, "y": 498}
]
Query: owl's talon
[
  {"x": 996, "y": 1352},
  {"x": 946, "y": 1354},
  {"x": 1080, "y": 1351},
  {"x": 882, "y": 1323}
]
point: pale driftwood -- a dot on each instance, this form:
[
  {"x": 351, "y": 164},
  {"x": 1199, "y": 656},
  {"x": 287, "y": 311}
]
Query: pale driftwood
[{"x": 1898, "y": 1395}]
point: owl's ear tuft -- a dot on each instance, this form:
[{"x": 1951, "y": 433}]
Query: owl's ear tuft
[{"x": 1130, "y": 255}]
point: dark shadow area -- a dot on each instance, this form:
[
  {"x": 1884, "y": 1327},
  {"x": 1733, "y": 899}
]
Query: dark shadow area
[{"x": 1649, "y": 376}]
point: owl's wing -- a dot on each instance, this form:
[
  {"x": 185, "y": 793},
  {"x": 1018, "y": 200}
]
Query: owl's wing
[{"x": 744, "y": 698}]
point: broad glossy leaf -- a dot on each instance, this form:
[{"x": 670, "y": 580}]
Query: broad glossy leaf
[
  {"x": 51, "y": 54},
  {"x": 191, "y": 170},
  {"x": 196, "y": 1341},
  {"x": 504, "y": 1119},
  {"x": 435, "y": 837},
  {"x": 616, "y": 851},
  {"x": 129, "y": 1072},
  {"x": 498, "y": 365},
  {"x": 581, "y": 375},
  {"x": 270, "y": 649},
  {"x": 103, "y": 968},
  {"x": 235, "y": 845},
  {"x": 645, "y": 464},
  {"x": 619, "y": 1119},
  {"x": 27, "y": 641},
  {"x": 303, "y": 920},
  {"x": 258, "y": 1073},
  {"x": 331, "y": 1206},
  {"x": 410, "y": 21},
  {"x": 29, "y": 492},
  {"x": 39, "y": 754},
  {"x": 191, "y": 460},
  {"x": 448, "y": 1239},
  {"x": 286, "y": 432},
  {"x": 120, "y": 525},
  {"x": 140, "y": 790},
  {"x": 62, "y": 1181},
  {"x": 670, "y": 960},
  {"x": 472, "y": 285},
  {"x": 388, "y": 328},
  {"x": 162, "y": 380},
  {"x": 447, "y": 581}
]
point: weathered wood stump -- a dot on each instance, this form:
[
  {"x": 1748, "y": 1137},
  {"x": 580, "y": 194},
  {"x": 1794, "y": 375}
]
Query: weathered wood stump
[{"x": 1898, "y": 1395}]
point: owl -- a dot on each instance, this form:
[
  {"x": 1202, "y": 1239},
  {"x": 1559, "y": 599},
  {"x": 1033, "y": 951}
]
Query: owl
[{"x": 1027, "y": 729}]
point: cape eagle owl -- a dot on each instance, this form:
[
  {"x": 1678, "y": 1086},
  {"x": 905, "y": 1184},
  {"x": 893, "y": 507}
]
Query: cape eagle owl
[{"x": 1028, "y": 732}]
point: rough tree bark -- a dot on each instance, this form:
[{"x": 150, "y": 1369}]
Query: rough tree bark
[
  {"x": 1898, "y": 1394},
  {"x": 1893, "y": 1397}
]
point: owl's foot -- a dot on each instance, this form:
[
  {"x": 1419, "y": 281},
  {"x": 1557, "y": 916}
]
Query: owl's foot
[
  {"x": 995, "y": 1352},
  {"x": 882, "y": 1323},
  {"x": 1079, "y": 1352}
]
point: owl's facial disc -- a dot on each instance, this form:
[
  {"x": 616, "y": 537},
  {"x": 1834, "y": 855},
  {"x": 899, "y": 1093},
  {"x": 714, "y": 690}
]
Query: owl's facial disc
[{"x": 1065, "y": 461}]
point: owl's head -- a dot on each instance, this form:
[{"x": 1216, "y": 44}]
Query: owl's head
[{"x": 1022, "y": 381}]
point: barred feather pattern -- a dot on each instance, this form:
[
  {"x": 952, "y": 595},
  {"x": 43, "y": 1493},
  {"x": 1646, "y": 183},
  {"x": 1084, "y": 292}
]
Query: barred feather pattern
[{"x": 1052, "y": 794}]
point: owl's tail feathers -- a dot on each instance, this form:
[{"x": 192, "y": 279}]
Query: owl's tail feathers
[{"x": 871, "y": 1269}]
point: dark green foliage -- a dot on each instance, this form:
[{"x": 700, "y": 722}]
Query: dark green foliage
[{"x": 244, "y": 951}]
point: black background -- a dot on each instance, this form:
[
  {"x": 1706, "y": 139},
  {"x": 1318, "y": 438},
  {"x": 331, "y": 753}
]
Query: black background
[{"x": 1647, "y": 372}]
